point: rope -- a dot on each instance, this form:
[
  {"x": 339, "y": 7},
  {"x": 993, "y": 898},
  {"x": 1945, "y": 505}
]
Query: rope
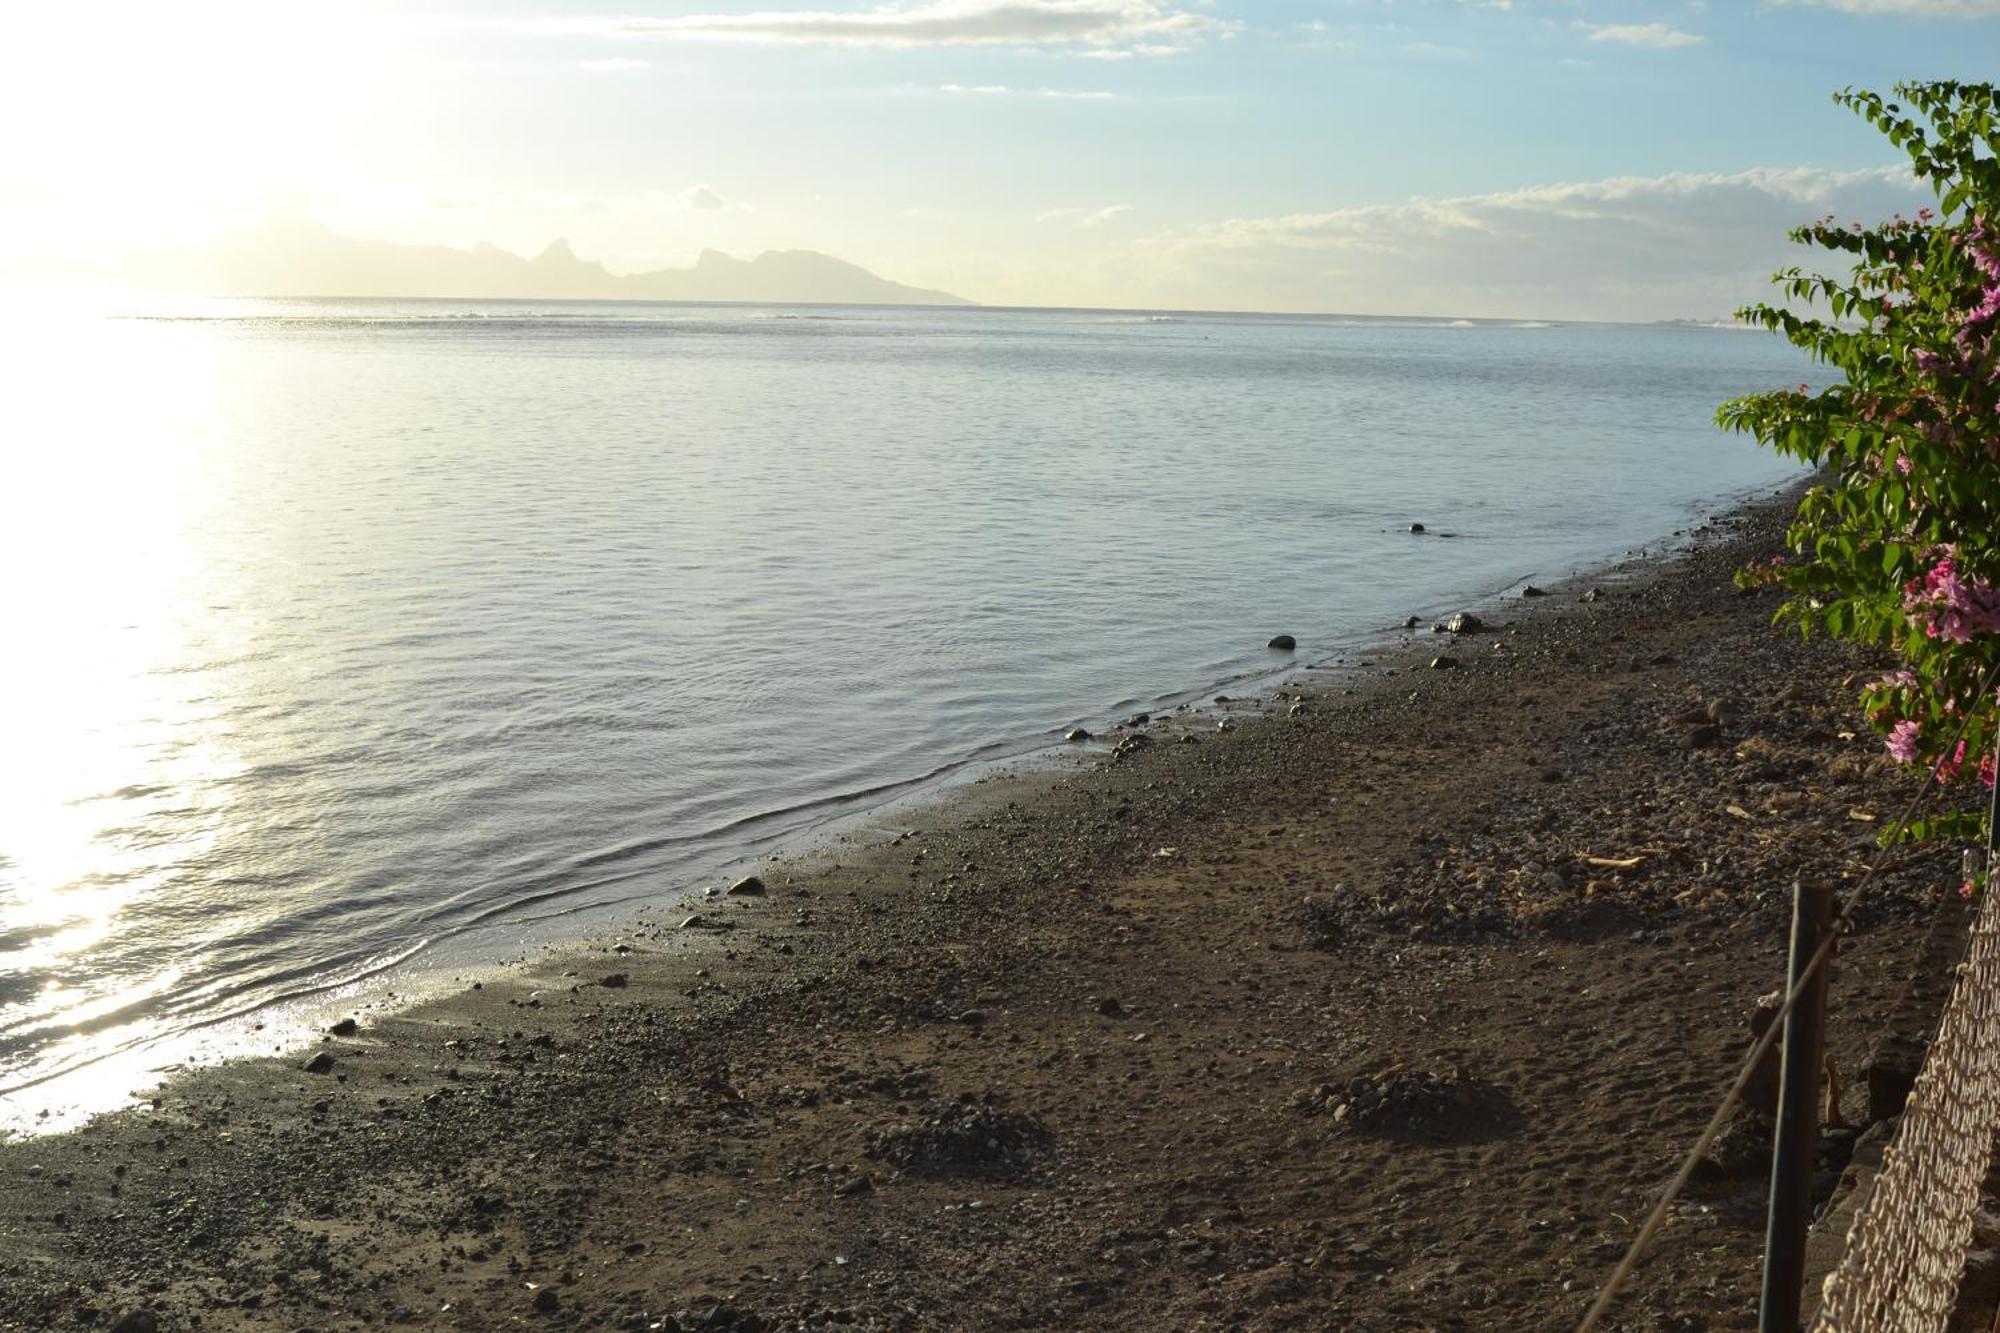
[{"x": 1842, "y": 923}]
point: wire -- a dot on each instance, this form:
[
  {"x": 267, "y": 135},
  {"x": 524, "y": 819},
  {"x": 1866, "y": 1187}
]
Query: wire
[{"x": 1608, "y": 1294}]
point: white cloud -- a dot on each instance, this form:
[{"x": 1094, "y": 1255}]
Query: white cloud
[
  {"x": 1944, "y": 9},
  {"x": 1146, "y": 27},
  {"x": 1627, "y": 247},
  {"x": 702, "y": 199},
  {"x": 1084, "y": 217},
  {"x": 1653, "y": 36},
  {"x": 1002, "y": 90},
  {"x": 613, "y": 65}
]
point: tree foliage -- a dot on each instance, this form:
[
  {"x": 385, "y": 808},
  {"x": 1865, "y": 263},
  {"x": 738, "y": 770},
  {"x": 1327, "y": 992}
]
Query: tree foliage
[{"x": 1898, "y": 544}]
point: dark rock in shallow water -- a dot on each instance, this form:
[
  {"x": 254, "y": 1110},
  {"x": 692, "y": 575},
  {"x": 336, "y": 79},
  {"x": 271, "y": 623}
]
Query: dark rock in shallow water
[
  {"x": 1076, "y": 734},
  {"x": 1416, "y": 527},
  {"x": 1283, "y": 641},
  {"x": 747, "y": 887},
  {"x": 1532, "y": 591},
  {"x": 1464, "y": 622},
  {"x": 1411, "y": 622}
]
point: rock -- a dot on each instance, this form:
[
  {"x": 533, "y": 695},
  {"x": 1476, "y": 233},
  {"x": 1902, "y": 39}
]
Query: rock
[
  {"x": 137, "y": 1321},
  {"x": 696, "y": 922},
  {"x": 747, "y": 887},
  {"x": 1110, "y": 1007},
  {"x": 972, "y": 1017},
  {"x": 1284, "y": 642},
  {"x": 321, "y": 1063},
  {"x": 1139, "y": 719},
  {"x": 1295, "y": 710},
  {"x": 1416, "y": 527},
  {"x": 1700, "y": 738},
  {"x": 1720, "y": 711},
  {"x": 1444, "y": 663},
  {"x": 346, "y": 1027},
  {"x": 1226, "y": 724},
  {"x": 546, "y": 1301},
  {"x": 1594, "y": 595},
  {"x": 1411, "y": 622},
  {"x": 1532, "y": 591},
  {"x": 1076, "y": 734},
  {"x": 616, "y": 981},
  {"x": 854, "y": 1185},
  {"x": 1464, "y": 623}
]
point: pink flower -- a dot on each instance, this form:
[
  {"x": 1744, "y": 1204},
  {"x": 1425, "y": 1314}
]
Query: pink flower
[
  {"x": 1902, "y": 741},
  {"x": 1950, "y": 606},
  {"x": 1904, "y": 679}
]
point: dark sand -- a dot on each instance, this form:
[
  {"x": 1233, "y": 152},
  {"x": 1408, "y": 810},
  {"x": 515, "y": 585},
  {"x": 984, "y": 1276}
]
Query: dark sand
[{"x": 1071, "y": 1053}]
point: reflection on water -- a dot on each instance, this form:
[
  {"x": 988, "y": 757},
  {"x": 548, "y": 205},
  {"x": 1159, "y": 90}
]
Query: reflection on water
[{"x": 339, "y": 630}]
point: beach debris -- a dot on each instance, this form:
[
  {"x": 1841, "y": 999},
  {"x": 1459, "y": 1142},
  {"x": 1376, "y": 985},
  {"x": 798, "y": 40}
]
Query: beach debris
[
  {"x": 1284, "y": 642},
  {"x": 346, "y": 1027},
  {"x": 1532, "y": 591},
  {"x": 1076, "y": 734},
  {"x": 1464, "y": 622},
  {"x": 1861, "y": 816},
  {"x": 1395, "y": 1098},
  {"x": 963, "y": 1138},
  {"x": 1166, "y": 854},
  {"x": 1615, "y": 862},
  {"x": 748, "y": 887},
  {"x": 1444, "y": 663},
  {"x": 1416, "y": 527},
  {"x": 1131, "y": 745},
  {"x": 1737, "y": 812},
  {"x": 321, "y": 1063}
]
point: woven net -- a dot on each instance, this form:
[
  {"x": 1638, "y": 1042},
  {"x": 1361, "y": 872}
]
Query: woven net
[{"x": 1907, "y": 1248}]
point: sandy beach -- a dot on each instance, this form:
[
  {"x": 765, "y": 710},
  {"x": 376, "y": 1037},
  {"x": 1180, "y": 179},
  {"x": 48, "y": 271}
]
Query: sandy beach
[{"x": 1388, "y": 1003}]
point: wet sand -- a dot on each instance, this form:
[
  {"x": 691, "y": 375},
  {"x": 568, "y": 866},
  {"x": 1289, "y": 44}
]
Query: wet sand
[{"x": 1391, "y": 1007}]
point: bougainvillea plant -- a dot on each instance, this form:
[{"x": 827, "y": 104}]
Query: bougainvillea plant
[{"x": 1897, "y": 544}]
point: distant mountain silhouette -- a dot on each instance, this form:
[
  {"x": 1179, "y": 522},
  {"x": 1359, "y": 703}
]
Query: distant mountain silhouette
[{"x": 298, "y": 258}]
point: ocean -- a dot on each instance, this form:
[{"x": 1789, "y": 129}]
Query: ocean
[{"x": 353, "y": 641}]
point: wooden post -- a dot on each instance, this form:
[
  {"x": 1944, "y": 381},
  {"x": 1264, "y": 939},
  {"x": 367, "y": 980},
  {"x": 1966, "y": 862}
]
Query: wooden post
[{"x": 1796, "y": 1142}]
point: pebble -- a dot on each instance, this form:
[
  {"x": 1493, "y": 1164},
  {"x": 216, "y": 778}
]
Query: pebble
[
  {"x": 346, "y": 1027},
  {"x": 322, "y": 1063},
  {"x": 748, "y": 887},
  {"x": 1443, "y": 663}
]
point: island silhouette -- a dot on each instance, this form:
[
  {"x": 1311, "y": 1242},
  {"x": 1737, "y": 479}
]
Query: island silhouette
[{"x": 297, "y": 257}]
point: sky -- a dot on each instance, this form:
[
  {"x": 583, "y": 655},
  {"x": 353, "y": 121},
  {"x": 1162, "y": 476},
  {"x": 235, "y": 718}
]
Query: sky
[{"x": 1606, "y": 159}]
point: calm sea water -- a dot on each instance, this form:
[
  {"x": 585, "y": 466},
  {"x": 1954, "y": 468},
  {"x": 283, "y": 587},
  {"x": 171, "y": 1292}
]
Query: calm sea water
[{"x": 342, "y": 632}]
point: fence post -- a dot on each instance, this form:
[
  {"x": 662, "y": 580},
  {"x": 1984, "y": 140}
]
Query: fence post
[{"x": 1796, "y": 1142}]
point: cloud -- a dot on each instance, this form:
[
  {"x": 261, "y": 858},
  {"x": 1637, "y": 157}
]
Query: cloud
[
  {"x": 1084, "y": 217},
  {"x": 1627, "y": 247},
  {"x": 1002, "y": 90},
  {"x": 613, "y": 65},
  {"x": 1145, "y": 27},
  {"x": 1941, "y": 9},
  {"x": 702, "y": 199},
  {"x": 1653, "y": 36}
]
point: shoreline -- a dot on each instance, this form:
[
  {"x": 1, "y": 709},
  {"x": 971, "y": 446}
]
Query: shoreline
[
  {"x": 420, "y": 969},
  {"x": 1139, "y": 980}
]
